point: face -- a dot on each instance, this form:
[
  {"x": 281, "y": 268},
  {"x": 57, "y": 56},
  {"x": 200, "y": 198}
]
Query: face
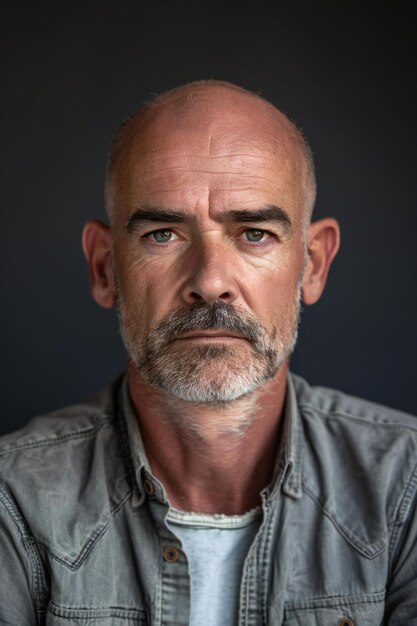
[{"x": 208, "y": 250}]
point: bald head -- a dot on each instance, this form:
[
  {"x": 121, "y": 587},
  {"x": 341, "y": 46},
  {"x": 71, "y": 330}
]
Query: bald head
[{"x": 212, "y": 116}]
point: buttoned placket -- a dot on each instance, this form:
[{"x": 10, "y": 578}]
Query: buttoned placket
[
  {"x": 173, "y": 589},
  {"x": 170, "y": 595},
  {"x": 284, "y": 492}
]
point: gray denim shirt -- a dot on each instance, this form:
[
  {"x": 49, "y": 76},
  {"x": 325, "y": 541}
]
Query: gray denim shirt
[{"x": 83, "y": 538}]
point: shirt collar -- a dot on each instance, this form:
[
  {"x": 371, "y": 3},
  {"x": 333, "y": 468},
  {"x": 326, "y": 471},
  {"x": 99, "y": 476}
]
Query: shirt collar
[
  {"x": 287, "y": 473},
  {"x": 147, "y": 484}
]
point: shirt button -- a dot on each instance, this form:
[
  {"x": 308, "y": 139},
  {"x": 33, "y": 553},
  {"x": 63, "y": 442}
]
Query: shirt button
[
  {"x": 345, "y": 621},
  {"x": 171, "y": 554},
  {"x": 148, "y": 487}
]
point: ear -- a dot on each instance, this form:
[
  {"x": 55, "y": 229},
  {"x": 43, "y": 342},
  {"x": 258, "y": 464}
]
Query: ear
[
  {"x": 323, "y": 239},
  {"x": 97, "y": 246}
]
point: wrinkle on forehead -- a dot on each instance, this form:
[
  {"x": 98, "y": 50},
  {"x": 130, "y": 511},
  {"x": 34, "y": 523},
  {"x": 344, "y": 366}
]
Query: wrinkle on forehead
[
  {"x": 216, "y": 119},
  {"x": 205, "y": 121}
]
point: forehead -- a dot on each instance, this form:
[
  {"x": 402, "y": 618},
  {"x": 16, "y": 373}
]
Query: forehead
[
  {"x": 222, "y": 124},
  {"x": 239, "y": 150}
]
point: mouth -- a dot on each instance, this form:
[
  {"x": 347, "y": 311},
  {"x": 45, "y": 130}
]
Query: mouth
[{"x": 212, "y": 336}]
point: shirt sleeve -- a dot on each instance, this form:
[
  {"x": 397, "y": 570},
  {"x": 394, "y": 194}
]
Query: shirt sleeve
[
  {"x": 401, "y": 599},
  {"x": 19, "y": 577}
]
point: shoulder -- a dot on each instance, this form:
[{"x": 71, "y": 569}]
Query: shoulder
[
  {"x": 334, "y": 412},
  {"x": 359, "y": 461},
  {"x": 355, "y": 431},
  {"x": 65, "y": 466},
  {"x": 46, "y": 438},
  {"x": 332, "y": 403}
]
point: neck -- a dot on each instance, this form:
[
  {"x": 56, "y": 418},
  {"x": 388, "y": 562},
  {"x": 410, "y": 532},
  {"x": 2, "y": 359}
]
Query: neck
[{"x": 211, "y": 458}]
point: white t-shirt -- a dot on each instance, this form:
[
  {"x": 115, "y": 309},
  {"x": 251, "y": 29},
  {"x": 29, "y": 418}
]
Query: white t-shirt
[{"x": 216, "y": 547}]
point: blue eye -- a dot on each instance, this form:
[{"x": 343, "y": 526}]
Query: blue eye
[
  {"x": 161, "y": 236},
  {"x": 254, "y": 234}
]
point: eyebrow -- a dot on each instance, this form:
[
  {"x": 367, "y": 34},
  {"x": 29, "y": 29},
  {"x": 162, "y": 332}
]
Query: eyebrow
[
  {"x": 265, "y": 214},
  {"x": 155, "y": 215},
  {"x": 270, "y": 213}
]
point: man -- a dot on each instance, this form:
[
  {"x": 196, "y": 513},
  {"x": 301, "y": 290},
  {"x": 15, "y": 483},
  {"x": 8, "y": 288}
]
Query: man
[{"x": 208, "y": 486}]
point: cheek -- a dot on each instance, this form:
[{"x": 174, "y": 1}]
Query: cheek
[
  {"x": 272, "y": 293},
  {"x": 148, "y": 290}
]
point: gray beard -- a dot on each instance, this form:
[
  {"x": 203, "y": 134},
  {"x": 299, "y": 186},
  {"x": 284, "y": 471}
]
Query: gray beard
[{"x": 209, "y": 374}]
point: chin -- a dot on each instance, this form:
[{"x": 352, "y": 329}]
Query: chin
[{"x": 212, "y": 374}]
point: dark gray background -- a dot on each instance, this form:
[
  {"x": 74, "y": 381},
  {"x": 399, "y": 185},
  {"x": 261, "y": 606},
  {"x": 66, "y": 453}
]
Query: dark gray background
[{"x": 71, "y": 73}]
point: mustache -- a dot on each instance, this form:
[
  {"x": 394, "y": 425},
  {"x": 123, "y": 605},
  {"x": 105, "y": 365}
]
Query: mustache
[{"x": 216, "y": 316}]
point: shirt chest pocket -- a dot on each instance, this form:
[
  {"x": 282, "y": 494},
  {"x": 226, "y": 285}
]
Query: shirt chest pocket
[
  {"x": 59, "y": 616},
  {"x": 363, "y": 614}
]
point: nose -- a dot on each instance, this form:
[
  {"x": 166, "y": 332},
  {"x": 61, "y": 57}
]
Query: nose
[{"x": 211, "y": 274}]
